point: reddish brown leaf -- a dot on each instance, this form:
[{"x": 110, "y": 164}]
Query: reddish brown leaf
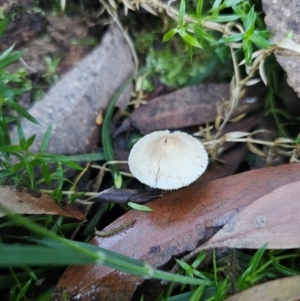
[
  {"x": 280, "y": 290},
  {"x": 25, "y": 201},
  {"x": 181, "y": 220},
  {"x": 189, "y": 106}
]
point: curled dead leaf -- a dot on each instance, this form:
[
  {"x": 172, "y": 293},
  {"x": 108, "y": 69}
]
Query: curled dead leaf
[{"x": 25, "y": 201}]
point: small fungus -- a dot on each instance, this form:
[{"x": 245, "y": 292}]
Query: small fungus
[{"x": 167, "y": 160}]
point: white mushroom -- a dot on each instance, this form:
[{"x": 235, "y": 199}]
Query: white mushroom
[{"x": 167, "y": 160}]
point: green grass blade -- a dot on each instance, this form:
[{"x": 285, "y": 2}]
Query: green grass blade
[
  {"x": 106, "y": 136},
  {"x": 7, "y": 281},
  {"x": 46, "y": 139},
  {"x": 3, "y": 25},
  {"x": 62, "y": 255},
  {"x": 76, "y": 158},
  {"x": 18, "y": 255},
  {"x": 21, "y": 135},
  {"x": 216, "y": 5},
  {"x": 181, "y": 13},
  {"x": 21, "y": 111},
  {"x": 139, "y": 207},
  {"x": 255, "y": 260},
  {"x": 170, "y": 34},
  {"x": 61, "y": 251},
  {"x": 199, "y": 8}
]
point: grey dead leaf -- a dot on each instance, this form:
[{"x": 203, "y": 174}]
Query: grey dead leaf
[
  {"x": 282, "y": 18},
  {"x": 286, "y": 289},
  {"x": 72, "y": 105},
  {"x": 25, "y": 201}
]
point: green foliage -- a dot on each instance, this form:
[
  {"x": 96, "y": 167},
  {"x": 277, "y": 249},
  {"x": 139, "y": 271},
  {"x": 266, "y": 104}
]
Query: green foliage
[
  {"x": 237, "y": 270},
  {"x": 285, "y": 123},
  {"x": 18, "y": 166},
  {"x": 12, "y": 85},
  {"x": 56, "y": 250},
  {"x": 190, "y": 34},
  {"x": 207, "y": 47},
  {"x": 139, "y": 207},
  {"x": 177, "y": 69},
  {"x": 251, "y": 272},
  {"x": 106, "y": 136},
  {"x": 22, "y": 171},
  {"x": 194, "y": 34},
  {"x": 144, "y": 41},
  {"x": 52, "y": 63}
]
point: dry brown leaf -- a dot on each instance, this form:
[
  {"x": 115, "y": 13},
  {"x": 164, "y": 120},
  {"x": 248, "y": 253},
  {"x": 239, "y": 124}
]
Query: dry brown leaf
[
  {"x": 189, "y": 106},
  {"x": 181, "y": 220},
  {"x": 72, "y": 105},
  {"x": 25, "y": 201},
  {"x": 286, "y": 289}
]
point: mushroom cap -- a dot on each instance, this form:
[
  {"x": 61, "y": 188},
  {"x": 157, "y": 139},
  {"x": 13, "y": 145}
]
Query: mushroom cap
[{"x": 167, "y": 160}]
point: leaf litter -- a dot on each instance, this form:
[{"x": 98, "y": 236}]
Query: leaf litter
[{"x": 198, "y": 212}]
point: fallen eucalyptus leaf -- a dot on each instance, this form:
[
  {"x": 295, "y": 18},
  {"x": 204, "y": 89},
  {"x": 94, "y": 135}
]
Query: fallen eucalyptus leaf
[
  {"x": 273, "y": 218},
  {"x": 191, "y": 106},
  {"x": 25, "y": 201},
  {"x": 72, "y": 105}
]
